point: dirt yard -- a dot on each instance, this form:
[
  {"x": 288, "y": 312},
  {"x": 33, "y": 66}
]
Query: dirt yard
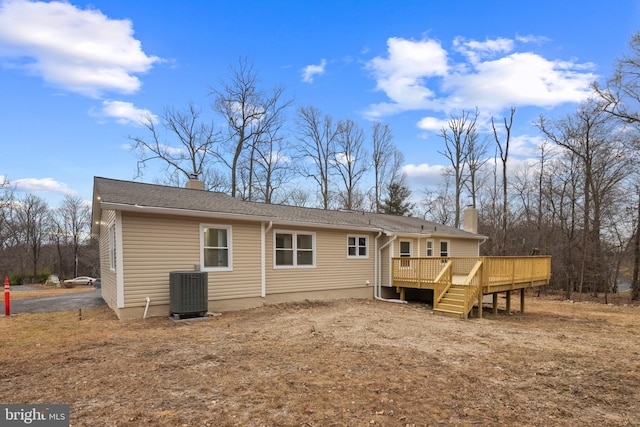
[{"x": 343, "y": 363}]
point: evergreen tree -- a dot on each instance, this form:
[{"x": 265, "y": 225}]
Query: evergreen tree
[{"x": 397, "y": 202}]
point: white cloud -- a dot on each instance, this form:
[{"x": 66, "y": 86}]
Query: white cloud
[
  {"x": 530, "y": 38},
  {"x": 82, "y": 51},
  {"x": 525, "y": 146},
  {"x": 475, "y": 50},
  {"x": 401, "y": 75},
  {"x": 432, "y": 123},
  {"x": 519, "y": 79},
  {"x": 424, "y": 173},
  {"x": 491, "y": 75},
  {"x": 310, "y": 71},
  {"x": 36, "y": 185},
  {"x": 126, "y": 113}
]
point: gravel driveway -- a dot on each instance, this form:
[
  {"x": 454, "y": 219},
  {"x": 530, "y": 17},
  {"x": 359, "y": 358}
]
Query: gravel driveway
[{"x": 74, "y": 301}]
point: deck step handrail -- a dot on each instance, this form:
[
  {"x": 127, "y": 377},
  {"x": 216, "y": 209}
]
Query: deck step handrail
[
  {"x": 445, "y": 276},
  {"x": 472, "y": 286}
]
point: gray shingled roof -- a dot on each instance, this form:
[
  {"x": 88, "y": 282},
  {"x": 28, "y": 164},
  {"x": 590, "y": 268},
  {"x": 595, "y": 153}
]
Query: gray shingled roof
[{"x": 129, "y": 195}]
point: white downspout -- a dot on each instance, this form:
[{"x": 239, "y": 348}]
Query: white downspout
[
  {"x": 375, "y": 264},
  {"x": 263, "y": 263},
  {"x": 146, "y": 308},
  {"x": 378, "y": 282}
]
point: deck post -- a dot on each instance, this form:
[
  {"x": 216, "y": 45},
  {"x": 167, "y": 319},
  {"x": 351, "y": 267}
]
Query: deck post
[
  {"x": 401, "y": 294},
  {"x": 522, "y": 300},
  {"x": 508, "y": 303},
  {"x": 495, "y": 303},
  {"x": 480, "y": 298}
]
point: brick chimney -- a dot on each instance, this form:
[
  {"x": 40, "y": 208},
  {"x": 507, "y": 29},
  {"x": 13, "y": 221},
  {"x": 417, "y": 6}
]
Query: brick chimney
[{"x": 470, "y": 220}]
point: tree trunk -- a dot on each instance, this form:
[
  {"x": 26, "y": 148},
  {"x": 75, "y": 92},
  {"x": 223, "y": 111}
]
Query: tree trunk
[{"x": 635, "y": 284}]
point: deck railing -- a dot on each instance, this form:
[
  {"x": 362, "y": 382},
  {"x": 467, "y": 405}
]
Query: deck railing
[
  {"x": 417, "y": 271},
  {"x": 427, "y": 272},
  {"x": 501, "y": 271}
]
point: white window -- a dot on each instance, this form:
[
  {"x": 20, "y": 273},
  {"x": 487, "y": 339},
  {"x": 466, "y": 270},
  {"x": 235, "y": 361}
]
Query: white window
[
  {"x": 444, "y": 248},
  {"x": 357, "y": 247},
  {"x": 429, "y": 247},
  {"x": 405, "y": 248},
  {"x": 405, "y": 252},
  {"x": 215, "y": 245},
  {"x": 294, "y": 249},
  {"x": 112, "y": 247}
]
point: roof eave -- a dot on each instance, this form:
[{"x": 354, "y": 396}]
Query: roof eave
[{"x": 231, "y": 216}]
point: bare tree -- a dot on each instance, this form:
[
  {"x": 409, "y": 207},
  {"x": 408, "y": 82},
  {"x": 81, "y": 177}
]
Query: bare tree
[
  {"x": 635, "y": 280},
  {"x": 185, "y": 152},
  {"x": 545, "y": 153},
  {"x": 70, "y": 222},
  {"x": 6, "y": 230},
  {"x": 6, "y": 201},
  {"x": 297, "y": 197},
  {"x": 351, "y": 163},
  {"x": 503, "y": 147},
  {"x": 317, "y": 135},
  {"x": 621, "y": 94},
  {"x": 592, "y": 138},
  {"x": 31, "y": 222},
  {"x": 248, "y": 113},
  {"x": 387, "y": 162},
  {"x": 273, "y": 167},
  {"x": 621, "y": 99},
  {"x": 525, "y": 193},
  {"x": 239, "y": 103},
  {"x": 437, "y": 203},
  {"x": 476, "y": 160},
  {"x": 458, "y": 136}
]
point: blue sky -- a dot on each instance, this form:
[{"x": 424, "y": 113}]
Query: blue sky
[{"x": 76, "y": 76}]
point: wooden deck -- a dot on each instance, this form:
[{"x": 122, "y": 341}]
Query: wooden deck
[{"x": 459, "y": 283}]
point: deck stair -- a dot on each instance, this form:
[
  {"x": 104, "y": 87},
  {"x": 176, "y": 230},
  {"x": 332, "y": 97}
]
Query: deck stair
[
  {"x": 452, "y": 303},
  {"x": 458, "y": 299},
  {"x": 459, "y": 283}
]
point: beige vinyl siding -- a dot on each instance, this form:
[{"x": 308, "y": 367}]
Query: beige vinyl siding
[
  {"x": 155, "y": 245},
  {"x": 333, "y": 270},
  {"x": 457, "y": 247},
  {"x": 385, "y": 262},
  {"x": 414, "y": 245},
  {"x": 108, "y": 277},
  {"x": 462, "y": 247}
]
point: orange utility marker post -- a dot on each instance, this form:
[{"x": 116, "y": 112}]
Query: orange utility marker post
[{"x": 7, "y": 297}]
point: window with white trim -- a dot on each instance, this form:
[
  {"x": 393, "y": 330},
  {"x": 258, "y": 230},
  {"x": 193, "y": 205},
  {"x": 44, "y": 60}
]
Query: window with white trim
[
  {"x": 429, "y": 247},
  {"x": 215, "y": 247},
  {"x": 444, "y": 248},
  {"x": 357, "y": 247},
  {"x": 405, "y": 248},
  {"x": 405, "y": 252},
  {"x": 294, "y": 249},
  {"x": 112, "y": 247}
]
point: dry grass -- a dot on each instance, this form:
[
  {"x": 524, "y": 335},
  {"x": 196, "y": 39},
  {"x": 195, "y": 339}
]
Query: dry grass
[{"x": 343, "y": 363}]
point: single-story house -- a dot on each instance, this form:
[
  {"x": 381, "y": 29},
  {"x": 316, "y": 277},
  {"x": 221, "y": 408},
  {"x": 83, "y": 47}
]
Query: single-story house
[{"x": 254, "y": 253}]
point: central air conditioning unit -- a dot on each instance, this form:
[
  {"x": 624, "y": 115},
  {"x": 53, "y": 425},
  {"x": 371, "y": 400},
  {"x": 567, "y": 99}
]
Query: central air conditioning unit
[{"x": 188, "y": 294}]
